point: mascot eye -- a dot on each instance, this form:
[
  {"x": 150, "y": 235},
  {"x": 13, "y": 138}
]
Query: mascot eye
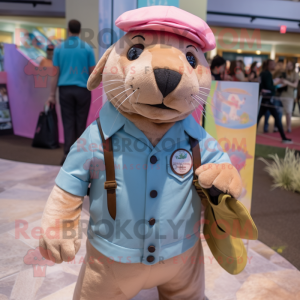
[
  {"x": 135, "y": 52},
  {"x": 191, "y": 59}
]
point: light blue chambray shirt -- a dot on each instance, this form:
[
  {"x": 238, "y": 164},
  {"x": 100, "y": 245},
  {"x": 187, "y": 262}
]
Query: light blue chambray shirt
[
  {"x": 74, "y": 57},
  {"x": 176, "y": 208}
]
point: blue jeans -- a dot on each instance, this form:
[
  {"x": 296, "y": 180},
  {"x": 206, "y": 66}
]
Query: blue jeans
[{"x": 278, "y": 105}]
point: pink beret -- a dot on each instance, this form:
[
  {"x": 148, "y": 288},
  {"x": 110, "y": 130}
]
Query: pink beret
[{"x": 171, "y": 19}]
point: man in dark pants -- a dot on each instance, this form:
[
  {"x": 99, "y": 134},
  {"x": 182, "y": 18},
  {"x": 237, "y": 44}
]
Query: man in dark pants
[
  {"x": 268, "y": 91},
  {"x": 75, "y": 61}
]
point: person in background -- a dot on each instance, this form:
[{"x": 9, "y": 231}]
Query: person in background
[
  {"x": 278, "y": 73},
  {"x": 267, "y": 89},
  {"x": 243, "y": 67},
  {"x": 3, "y": 95},
  {"x": 218, "y": 69},
  {"x": 236, "y": 71},
  {"x": 253, "y": 77},
  {"x": 264, "y": 65},
  {"x": 297, "y": 98},
  {"x": 75, "y": 61},
  {"x": 218, "y": 72},
  {"x": 47, "y": 61},
  {"x": 280, "y": 70},
  {"x": 287, "y": 96}
]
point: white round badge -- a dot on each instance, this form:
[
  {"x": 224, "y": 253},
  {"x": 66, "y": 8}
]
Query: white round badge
[{"x": 181, "y": 162}]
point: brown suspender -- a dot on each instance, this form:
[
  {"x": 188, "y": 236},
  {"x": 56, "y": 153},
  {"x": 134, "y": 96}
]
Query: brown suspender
[
  {"x": 196, "y": 155},
  {"x": 196, "y": 164},
  {"x": 111, "y": 185}
]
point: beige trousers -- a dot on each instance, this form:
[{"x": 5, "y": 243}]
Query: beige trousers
[{"x": 178, "y": 278}]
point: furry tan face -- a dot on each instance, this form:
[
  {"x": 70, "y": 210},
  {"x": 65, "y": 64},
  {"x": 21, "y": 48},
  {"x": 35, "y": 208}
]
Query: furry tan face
[{"x": 161, "y": 76}]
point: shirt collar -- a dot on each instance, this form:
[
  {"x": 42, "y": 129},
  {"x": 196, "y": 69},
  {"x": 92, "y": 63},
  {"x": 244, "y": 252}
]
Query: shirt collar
[
  {"x": 112, "y": 121},
  {"x": 192, "y": 128}
]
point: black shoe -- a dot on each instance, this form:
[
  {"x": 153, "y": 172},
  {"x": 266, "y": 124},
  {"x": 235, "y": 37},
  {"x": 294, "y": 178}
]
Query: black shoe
[
  {"x": 63, "y": 160},
  {"x": 287, "y": 141}
]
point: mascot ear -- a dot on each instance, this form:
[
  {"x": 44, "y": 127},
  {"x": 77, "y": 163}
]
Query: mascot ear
[{"x": 96, "y": 76}]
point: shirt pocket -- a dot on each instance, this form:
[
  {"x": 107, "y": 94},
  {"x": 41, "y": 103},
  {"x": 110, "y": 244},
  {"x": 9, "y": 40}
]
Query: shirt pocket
[{"x": 180, "y": 178}]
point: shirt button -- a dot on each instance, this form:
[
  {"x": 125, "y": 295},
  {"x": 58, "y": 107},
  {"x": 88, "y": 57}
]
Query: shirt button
[
  {"x": 153, "y": 160},
  {"x": 152, "y": 222},
  {"x": 151, "y": 249},
  {"x": 153, "y": 194},
  {"x": 150, "y": 259}
]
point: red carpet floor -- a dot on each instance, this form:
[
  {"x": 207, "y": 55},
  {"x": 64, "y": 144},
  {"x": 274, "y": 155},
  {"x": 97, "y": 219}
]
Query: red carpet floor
[{"x": 274, "y": 139}]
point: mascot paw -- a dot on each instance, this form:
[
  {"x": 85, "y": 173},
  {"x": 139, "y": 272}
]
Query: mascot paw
[
  {"x": 59, "y": 250},
  {"x": 224, "y": 177},
  {"x": 60, "y": 226}
]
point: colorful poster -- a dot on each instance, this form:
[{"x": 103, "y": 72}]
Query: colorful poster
[
  {"x": 143, "y": 3},
  {"x": 5, "y": 117},
  {"x": 231, "y": 114}
]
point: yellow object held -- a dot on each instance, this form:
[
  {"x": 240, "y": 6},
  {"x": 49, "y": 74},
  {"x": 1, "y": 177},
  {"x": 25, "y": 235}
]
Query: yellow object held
[{"x": 226, "y": 224}]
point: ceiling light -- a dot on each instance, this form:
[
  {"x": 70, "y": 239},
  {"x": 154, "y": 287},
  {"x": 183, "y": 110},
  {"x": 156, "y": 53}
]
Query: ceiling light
[
  {"x": 239, "y": 51},
  {"x": 282, "y": 29},
  {"x": 258, "y": 52}
]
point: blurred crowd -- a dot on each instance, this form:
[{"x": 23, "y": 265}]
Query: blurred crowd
[
  {"x": 279, "y": 84},
  {"x": 279, "y": 87},
  {"x": 234, "y": 70}
]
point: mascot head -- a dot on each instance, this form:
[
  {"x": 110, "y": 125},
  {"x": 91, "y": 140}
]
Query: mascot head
[{"x": 157, "y": 69}]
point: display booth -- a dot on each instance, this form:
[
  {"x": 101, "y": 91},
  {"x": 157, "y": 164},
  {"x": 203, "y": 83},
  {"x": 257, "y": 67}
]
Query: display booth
[{"x": 28, "y": 89}]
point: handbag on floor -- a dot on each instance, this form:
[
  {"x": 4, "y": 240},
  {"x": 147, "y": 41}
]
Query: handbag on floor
[{"x": 46, "y": 132}]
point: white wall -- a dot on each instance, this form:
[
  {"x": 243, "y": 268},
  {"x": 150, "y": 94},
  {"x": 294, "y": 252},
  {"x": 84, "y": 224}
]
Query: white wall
[
  {"x": 269, "y": 8},
  {"x": 87, "y": 13},
  {"x": 196, "y": 7}
]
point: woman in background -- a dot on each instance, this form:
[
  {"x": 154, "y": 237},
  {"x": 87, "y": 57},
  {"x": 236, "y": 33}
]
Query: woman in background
[
  {"x": 287, "y": 97},
  {"x": 236, "y": 71},
  {"x": 243, "y": 67},
  {"x": 217, "y": 68},
  {"x": 47, "y": 61},
  {"x": 253, "y": 77},
  {"x": 297, "y": 98}
]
